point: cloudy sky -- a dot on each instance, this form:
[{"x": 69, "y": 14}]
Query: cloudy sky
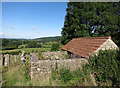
[{"x": 32, "y": 19}]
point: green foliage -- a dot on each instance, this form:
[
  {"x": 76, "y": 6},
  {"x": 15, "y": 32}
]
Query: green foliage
[
  {"x": 27, "y": 68},
  {"x": 65, "y": 75},
  {"x": 71, "y": 78},
  {"x": 33, "y": 44},
  {"x": 86, "y": 19},
  {"x": 27, "y": 50},
  {"x": 49, "y": 39},
  {"x": 22, "y": 46},
  {"x": 40, "y": 55},
  {"x": 54, "y": 74},
  {"x": 106, "y": 66},
  {"x": 86, "y": 69},
  {"x": 13, "y": 52},
  {"x": 55, "y": 47},
  {"x": 8, "y": 44},
  {"x": 66, "y": 56},
  {"x": 54, "y": 71}
]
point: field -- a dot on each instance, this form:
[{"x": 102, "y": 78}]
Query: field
[
  {"x": 27, "y": 50},
  {"x": 44, "y": 48}
]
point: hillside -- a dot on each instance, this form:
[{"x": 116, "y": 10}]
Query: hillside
[{"x": 48, "y": 39}]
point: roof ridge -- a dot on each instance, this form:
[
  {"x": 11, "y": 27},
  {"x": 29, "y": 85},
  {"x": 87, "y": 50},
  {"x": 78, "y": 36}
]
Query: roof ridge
[{"x": 98, "y": 37}]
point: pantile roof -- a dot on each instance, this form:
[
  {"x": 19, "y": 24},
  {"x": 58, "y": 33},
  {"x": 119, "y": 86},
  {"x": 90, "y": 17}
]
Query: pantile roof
[{"x": 84, "y": 46}]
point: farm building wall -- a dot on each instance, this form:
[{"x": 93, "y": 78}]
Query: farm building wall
[
  {"x": 109, "y": 44},
  {"x": 72, "y": 55}
]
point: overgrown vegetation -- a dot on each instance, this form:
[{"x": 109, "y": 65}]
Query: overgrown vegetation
[
  {"x": 79, "y": 77},
  {"x": 17, "y": 74},
  {"x": 71, "y": 78},
  {"x": 106, "y": 66}
]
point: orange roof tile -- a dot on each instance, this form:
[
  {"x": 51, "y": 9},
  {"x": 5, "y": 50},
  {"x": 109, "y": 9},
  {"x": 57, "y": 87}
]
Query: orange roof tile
[{"x": 84, "y": 46}]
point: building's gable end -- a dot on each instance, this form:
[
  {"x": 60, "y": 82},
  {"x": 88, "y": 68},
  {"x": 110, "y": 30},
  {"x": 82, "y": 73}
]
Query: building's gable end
[{"x": 108, "y": 44}]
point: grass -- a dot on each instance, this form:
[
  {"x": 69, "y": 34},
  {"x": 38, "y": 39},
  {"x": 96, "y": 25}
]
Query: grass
[
  {"x": 72, "y": 78},
  {"x": 15, "y": 75},
  {"x": 28, "y": 50},
  {"x": 46, "y": 46},
  {"x": 22, "y": 46}
]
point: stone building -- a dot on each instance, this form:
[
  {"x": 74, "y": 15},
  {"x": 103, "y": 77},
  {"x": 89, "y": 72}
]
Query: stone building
[{"x": 83, "y": 47}]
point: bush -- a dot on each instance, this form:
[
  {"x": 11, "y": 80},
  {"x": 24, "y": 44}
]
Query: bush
[
  {"x": 33, "y": 44},
  {"x": 106, "y": 66},
  {"x": 65, "y": 75},
  {"x": 55, "y": 47}
]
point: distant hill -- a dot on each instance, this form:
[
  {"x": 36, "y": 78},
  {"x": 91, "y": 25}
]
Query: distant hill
[{"x": 48, "y": 39}]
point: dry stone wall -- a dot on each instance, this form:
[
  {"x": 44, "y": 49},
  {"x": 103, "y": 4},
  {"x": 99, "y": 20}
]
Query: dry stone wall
[
  {"x": 42, "y": 69},
  {"x": 59, "y": 55},
  {"x": 7, "y": 60}
]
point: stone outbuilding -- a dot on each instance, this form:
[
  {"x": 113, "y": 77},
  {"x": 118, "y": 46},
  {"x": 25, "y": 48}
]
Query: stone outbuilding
[{"x": 83, "y": 47}]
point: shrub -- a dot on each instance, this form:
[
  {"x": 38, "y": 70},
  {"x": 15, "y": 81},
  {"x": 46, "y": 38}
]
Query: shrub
[
  {"x": 65, "y": 75},
  {"x": 106, "y": 66},
  {"x": 55, "y": 47}
]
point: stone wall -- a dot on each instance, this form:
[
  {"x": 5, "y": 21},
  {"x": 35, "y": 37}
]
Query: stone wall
[
  {"x": 42, "y": 69},
  {"x": 55, "y": 55},
  {"x": 109, "y": 44},
  {"x": 7, "y": 59}
]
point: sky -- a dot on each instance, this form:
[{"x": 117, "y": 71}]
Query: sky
[{"x": 31, "y": 20}]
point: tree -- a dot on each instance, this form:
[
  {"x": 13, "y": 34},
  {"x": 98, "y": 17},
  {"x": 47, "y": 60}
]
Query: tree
[
  {"x": 32, "y": 44},
  {"x": 86, "y": 19},
  {"x": 55, "y": 47}
]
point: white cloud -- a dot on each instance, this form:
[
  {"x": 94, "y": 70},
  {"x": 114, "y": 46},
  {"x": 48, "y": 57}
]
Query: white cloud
[
  {"x": 1, "y": 33},
  {"x": 10, "y": 27},
  {"x": 34, "y": 27},
  {"x": 15, "y": 35},
  {"x": 39, "y": 32}
]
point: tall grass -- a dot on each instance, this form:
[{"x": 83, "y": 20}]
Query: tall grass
[{"x": 80, "y": 77}]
